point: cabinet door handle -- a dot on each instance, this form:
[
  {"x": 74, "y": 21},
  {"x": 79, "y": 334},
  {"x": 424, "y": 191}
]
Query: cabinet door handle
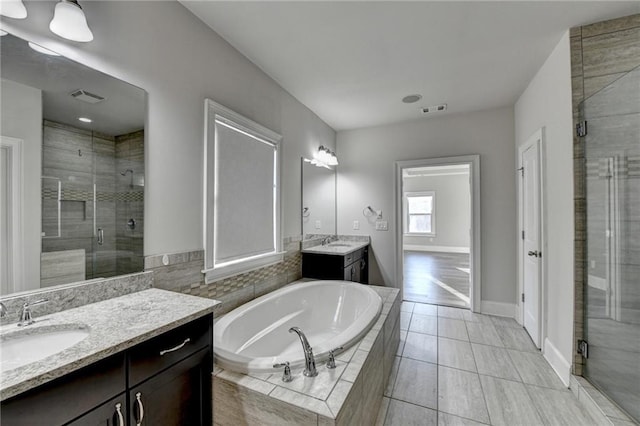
[
  {"x": 100, "y": 236},
  {"x": 140, "y": 408},
  {"x": 119, "y": 413},
  {"x": 180, "y": 346}
]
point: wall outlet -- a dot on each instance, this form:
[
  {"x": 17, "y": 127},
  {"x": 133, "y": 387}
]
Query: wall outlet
[
  {"x": 356, "y": 224},
  {"x": 318, "y": 224},
  {"x": 382, "y": 225}
]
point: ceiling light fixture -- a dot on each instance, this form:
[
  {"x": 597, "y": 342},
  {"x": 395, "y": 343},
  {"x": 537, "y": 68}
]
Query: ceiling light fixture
[
  {"x": 324, "y": 157},
  {"x": 41, "y": 49},
  {"x": 410, "y": 99},
  {"x": 69, "y": 22},
  {"x": 85, "y": 119},
  {"x": 13, "y": 9}
]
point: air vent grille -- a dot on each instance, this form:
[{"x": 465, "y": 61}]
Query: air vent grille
[
  {"x": 434, "y": 108},
  {"x": 84, "y": 96}
]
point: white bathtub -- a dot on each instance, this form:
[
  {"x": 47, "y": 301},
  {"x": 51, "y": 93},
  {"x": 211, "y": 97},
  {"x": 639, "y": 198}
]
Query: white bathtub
[{"x": 253, "y": 337}]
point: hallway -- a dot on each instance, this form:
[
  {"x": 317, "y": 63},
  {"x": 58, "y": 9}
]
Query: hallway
[
  {"x": 454, "y": 367},
  {"x": 437, "y": 278}
]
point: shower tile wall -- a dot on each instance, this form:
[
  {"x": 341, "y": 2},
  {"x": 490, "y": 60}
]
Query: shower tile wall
[
  {"x": 68, "y": 156},
  {"x": 77, "y": 158},
  {"x": 129, "y": 153}
]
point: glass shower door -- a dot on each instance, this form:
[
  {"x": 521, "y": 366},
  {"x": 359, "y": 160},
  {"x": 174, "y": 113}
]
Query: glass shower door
[{"x": 612, "y": 314}]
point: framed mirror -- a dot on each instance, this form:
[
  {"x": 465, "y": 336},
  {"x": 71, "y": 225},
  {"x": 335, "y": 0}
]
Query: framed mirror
[
  {"x": 72, "y": 171},
  {"x": 318, "y": 200}
]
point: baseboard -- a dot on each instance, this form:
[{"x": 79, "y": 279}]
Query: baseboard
[
  {"x": 498, "y": 308},
  {"x": 560, "y": 365},
  {"x": 442, "y": 249}
]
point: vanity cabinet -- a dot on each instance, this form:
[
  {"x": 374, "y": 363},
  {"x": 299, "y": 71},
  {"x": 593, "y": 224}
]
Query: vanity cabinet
[
  {"x": 163, "y": 381},
  {"x": 328, "y": 266}
]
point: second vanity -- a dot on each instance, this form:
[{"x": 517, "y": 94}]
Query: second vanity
[
  {"x": 337, "y": 260},
  {"x": 146, "y": 359}
]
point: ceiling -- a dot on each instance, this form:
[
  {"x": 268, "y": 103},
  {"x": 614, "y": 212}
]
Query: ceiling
[
  {"x": 122, "y": 111},
  {"x": 352, "y": 62}
]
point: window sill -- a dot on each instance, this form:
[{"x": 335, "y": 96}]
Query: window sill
[{"x": 221, "y": 272}]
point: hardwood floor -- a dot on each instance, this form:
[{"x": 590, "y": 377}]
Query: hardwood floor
[{"x": 437, "y": 278}]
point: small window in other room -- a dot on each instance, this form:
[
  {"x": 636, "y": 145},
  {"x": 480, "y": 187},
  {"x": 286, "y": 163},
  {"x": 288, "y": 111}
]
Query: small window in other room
[{"x": 420, "y": 213}]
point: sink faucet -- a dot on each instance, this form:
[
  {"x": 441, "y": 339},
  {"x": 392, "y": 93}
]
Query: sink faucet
[
  {"x": 25, "y": 313},
  {"x": 3, "y": 310},
  {"x": 327, "y": 240},
  {"x": 309, "y": 360}
]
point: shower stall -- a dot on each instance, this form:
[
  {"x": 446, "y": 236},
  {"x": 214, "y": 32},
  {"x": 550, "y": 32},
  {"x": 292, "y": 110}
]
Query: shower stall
[{"x": 612, "y": 290}]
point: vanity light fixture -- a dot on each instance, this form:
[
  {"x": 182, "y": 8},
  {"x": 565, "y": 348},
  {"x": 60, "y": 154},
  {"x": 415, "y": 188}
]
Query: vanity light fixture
[
  {"x": 85, "y": 119},
  {"x": 370, "y": 211},
  {"x": 69, "y": 22},
  {"x": 324, "y": 157},
  {"x": 43, "y": 50},
  {"x": 13, "y": 9}
]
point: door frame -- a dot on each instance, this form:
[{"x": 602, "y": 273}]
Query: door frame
[
  {"x": 537, "y": 138},
  {"x": 16, "y": 205},
  {"x": 475, "y": 254}
]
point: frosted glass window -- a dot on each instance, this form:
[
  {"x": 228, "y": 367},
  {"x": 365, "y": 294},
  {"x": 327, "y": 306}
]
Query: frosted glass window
[{"x": 242, "y": 211}]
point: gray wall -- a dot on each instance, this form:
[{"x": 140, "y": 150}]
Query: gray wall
[
  {"x": 452, "y": 213},
  {"x": 22, "y": 119},
  {"x": 366, "y": 177},
  {"x": 162, "y": 48},
  {"x": 547, "y": 103}
]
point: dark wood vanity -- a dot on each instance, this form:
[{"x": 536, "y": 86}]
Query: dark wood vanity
[
  {"x": 163, "y": 381},
  {"x": 353, "y": 266}
]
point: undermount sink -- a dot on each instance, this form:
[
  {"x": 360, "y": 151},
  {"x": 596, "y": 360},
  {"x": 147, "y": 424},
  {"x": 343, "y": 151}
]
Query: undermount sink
[{"x": 24, "y": 346}]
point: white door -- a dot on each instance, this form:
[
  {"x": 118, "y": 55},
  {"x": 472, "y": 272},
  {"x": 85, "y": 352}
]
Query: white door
[{"x": 531, "y": 250}]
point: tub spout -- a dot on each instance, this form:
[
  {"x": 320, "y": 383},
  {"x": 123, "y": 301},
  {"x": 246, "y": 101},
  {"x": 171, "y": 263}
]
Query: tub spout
[{"x": 309, "y": 360}]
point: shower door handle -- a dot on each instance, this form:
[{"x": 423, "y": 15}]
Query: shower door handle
[{"x": 100, "y": 236}]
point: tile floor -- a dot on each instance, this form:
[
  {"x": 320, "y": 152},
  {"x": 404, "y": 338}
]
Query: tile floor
[{"x": 454, "y": 367}]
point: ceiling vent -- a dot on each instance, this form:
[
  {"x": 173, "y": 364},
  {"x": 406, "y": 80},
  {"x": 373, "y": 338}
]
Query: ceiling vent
[
  {"x": 435, "y": 108},
  {"x": 84, "y": 96}
]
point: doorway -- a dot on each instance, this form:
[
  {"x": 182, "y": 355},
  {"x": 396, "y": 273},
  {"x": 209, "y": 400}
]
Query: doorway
[
  {"x": 531, "y": 242},
  {"x": 438, "y": 242}
]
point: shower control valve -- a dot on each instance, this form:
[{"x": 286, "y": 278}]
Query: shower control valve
[
  {"x": 331, "y": 362},
  {"x": 286, "y": 376}
]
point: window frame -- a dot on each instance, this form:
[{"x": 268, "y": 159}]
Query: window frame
[
  {"x": 216, "y": 113},
  {"x": 407, "y": 215}
]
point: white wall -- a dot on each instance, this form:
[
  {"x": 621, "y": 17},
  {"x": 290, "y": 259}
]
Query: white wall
[
  {"x": 366, "y": 177},
  {"x": 22, "y": 119},
  {"x": 161, "y": 47},
  {"x": 452, "y": 211},
  {"x": 546, "y": 102}
]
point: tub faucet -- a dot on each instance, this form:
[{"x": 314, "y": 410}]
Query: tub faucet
[{"x": 309, "y": 360}]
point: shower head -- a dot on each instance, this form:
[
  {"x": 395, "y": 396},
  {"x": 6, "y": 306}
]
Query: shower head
[{"x": 126, "y": 171}]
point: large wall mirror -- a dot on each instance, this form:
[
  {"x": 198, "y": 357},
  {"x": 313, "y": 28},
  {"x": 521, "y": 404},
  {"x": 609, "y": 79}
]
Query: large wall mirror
[
  {"x": 72, "y": 171},
  {"x": 318, "y": 200}
]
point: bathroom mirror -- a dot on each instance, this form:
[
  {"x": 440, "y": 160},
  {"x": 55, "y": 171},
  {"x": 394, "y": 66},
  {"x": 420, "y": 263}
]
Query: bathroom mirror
[
  {"x": 318, "y": 199},
  {"x": 72, "y": 171}
]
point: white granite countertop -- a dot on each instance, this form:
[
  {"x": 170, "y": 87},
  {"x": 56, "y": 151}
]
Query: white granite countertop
[
  {"x": 339, "y": 248},
  {"x": 114, "y": 325}
]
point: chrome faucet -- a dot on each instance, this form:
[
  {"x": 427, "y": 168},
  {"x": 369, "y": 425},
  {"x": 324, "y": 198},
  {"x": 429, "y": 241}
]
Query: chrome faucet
[
  {"x": 3, "y": 310},
  {"x": 309, "y": 360},
  {"x": 329, "y": 239},
  {"x": 25, "y": 313}
]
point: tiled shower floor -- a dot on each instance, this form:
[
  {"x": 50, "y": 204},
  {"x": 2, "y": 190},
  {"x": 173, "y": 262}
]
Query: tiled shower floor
[{"x": 454, "y": 367}]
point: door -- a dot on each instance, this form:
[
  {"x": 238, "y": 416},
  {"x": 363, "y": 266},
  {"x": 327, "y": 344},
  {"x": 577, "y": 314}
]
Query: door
[{"x": 531, "y": 250}]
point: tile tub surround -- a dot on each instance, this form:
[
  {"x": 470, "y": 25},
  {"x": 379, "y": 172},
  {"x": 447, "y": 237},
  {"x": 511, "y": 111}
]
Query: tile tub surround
[
  {"x": 115, "y": 325},
  {"x": 68, "y": 296},
  {"x": 350, "y": 394},
  {"x": 184, "y": 274}
]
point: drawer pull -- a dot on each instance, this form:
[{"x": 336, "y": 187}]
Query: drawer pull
[
  {"x": 180, "y": 346},
  {"x": 140, "y": 408},
  {"x": 119, "y": 413}
]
